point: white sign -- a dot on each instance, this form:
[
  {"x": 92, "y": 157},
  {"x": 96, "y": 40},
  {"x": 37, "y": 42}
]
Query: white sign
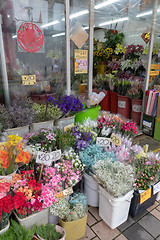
[
  {"x": 121, "y": 104},
  {"x": 48, "y": 158},
  {"x": 156, "y": 188},
  {"x": 136, "y": 108},
  {"x": 147, "y": 124},
  {"x": 103, "y": 142}
]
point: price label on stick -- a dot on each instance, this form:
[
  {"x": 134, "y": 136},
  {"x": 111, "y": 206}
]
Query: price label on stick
[
  {"x": 145, "y": 195},
  {"x": 156, "y": 188},
  {"x": 115, "y": 139},
  {"x": 67, "y": 191},
  {"x": 103, "y": 142},
  {"x": 48, "y": 158}
]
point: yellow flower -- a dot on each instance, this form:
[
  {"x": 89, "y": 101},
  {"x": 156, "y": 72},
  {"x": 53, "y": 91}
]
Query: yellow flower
[{"x": 14, "y": 140}]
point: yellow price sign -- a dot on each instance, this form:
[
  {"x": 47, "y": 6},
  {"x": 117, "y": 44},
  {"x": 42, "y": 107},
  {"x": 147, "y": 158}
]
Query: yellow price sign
[
  {"x": 28, "y": 79},
  {"x": 155, "y": 66},
  {"x": 115, "y": 139},
  {"x": 154, "y": 73},
  {"x": 145, "y": 195}
]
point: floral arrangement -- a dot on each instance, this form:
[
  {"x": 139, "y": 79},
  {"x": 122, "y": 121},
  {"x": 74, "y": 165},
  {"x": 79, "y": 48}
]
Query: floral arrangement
[
  {"x": 46, "y": 112},
  {"x": 60, "y": 208},
  {"x": 91, "y": 155},
  {"x": 101, "y": 81},
  {"x": 102, "y": 55},
  {"x": 64, "y": 140},
  {"x": 129, "y": 129},
  {"x": 120, "y": 49},
  {"x": 6, "y": 204},
  {"x": 12, "y": 155},
  {"x": 116, "y": 177},
  {"x": 133, "y": 51},
  {"x": 74, "y": 159},
  {"x": 4, "y": 118},
  {"x": 69, "y": 105},
  {"x": 147, "y": 169},
  {"x": 44, "y": 140},
  {"x": 113, "y": 38}
]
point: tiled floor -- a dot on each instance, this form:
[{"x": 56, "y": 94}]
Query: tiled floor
[{"x": 145, "y": 226}]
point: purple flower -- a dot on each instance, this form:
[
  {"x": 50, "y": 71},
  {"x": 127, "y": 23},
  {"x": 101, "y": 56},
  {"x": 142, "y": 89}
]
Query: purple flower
[{"x": 82, "y": 144}]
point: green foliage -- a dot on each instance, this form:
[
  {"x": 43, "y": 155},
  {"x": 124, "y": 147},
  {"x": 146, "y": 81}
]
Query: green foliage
[
  {"x": 4, "y": 118},
  {"x": 113, "y": 38},
  {"x": 47, "y": 232},
  {"x": 46, "y": 112},
  {"x": 64, "y": 139},
  {"x": 123, "y": 86},
  {"x": 101, "y": 81}
]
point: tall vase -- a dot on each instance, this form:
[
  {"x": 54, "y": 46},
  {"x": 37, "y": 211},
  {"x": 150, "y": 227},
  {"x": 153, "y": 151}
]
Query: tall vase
[
  {"x": 101, "y": 67},
  {"x": 136, "y": 110},
  {"x": 114, "y": 102},
  {"x": 105, "y": 103},
  {"x": 124, "y": 106}
]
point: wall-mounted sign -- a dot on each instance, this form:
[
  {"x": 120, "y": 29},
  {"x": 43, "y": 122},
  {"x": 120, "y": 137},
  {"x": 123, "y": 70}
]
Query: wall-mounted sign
[
  {"x": 30, "y": 37},
  {"x": 28, "y": 79},
  {"x": 145, "y": 36},
  {"x": 81, "y": 61},
  {"x": 154, "y": 73}
]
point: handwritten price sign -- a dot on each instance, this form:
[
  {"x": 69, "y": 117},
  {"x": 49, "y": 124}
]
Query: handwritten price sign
[
  {"x": 145, "y": 195},
  {"x": 48, "y": 158},
  {"x": 156, "y": 188},
  {"x": 103, "y": 142},
  {"x": 115, "y": 139}
]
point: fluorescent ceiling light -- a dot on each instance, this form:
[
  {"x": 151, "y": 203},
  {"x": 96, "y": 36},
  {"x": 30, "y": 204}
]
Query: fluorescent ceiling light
[
  {"x": 14, "y": 36},
  {"x": 58, "y": 35},
  {"x": 50, "y": 24},
  {"x": 78, "y": 14},
  {"x": 114, "y": 21},
  {"x": 106, "y": 3},
  {"x": 146, "y": 13},
  {"x": 85, "y": 28}
]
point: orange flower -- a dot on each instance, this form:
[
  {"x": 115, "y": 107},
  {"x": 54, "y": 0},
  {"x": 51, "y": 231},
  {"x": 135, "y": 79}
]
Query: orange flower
[
  {"x": 23, "y": 157},
  {"x": 4, "y": 161},
  {"x": 15, "y": 178},
  {"x": 28, "y": 192}
]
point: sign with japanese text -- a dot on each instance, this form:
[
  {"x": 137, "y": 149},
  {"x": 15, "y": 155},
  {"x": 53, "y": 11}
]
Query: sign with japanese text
[
  {"x": 145, "y": 195},
  {"x": 80, "y": 61},
  {"x": 28, "y": 79}
]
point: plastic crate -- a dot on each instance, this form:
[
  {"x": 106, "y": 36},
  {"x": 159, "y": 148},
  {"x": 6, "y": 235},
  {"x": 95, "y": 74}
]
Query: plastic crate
[
  {"x": 148, "y": 124},
  {"x": 157, "y": 129}
]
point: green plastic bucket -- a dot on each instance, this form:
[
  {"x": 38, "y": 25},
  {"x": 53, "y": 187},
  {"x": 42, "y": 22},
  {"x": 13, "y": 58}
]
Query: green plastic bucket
[{"x": 91, "y": 113}]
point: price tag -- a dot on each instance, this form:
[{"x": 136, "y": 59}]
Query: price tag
[
  {"x": 121, "y": 104},
  {"x": 67, "y": 191},
  {"x": 103, "y": 142},
  {"x": 115, "y": 139},
  {"x": 156, "y": 188},
  {"x": 2, "y": 146},
  {"x": 48, "y": 158},
  {"x": 28, "y": 79},
  {"x": 136, "y": 108},
  {"x": 145, "y": 195}
]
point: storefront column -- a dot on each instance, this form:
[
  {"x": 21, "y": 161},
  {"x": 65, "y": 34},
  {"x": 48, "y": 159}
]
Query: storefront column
[
  {"x": 149, "y": 55},
  {"x": 67, "y": 32},
  {"x": 3, "y": 68},
  {"x": 90, "y": 57}
]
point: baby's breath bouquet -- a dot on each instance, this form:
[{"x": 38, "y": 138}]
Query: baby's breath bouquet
[
  {"x": 74, "y": 159},
  {"x": 116, "y": 177}
]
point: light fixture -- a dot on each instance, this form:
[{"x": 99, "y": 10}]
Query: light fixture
[
  {"x": 14, "y": 36},
  {"x": 78, "y": 14},
  {"x": 58, "y": 35},
  {"x": 106, "y": 3},
  {"x": 114, "y": 21},
  {"x": 50, "y": 24},
  {"x": 145, "y": 13},
  {"x": 85, "y": 28}
]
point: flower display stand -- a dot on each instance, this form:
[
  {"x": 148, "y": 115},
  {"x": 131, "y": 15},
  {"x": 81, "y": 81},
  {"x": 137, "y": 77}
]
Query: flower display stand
[
  {"x": 91, "y": 113},
  {"x": 137, "y": 207},
  {"x": 91, "y": 190},
  {"x": 35, "y": 127},
  {"x": 58, "y": 229},
  {"x": 114, "y": 102},
  {"x": 124, "y": 106},
  {"x": 63, "y": 122},
  {"x": 20, "y": 131},
  {"x": 136, "y": 110},
  {"x": 105, "y": 103},
  {"x": 38, "y": 218},
  {"x": 74, "y": 229},
  {"x": 5, "y": 229},
  {"x": 114, "y": 211}
]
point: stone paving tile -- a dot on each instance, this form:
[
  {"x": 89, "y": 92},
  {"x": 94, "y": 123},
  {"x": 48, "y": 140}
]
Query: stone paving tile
[
  {"x": 158, "y": 238},
  {"x": 140, "y": 215},
  {"x": 126, "y": 224},
  {"x": 151, "y": 224},
  {"x": 95, "y": 212},
  {"x": 96, "y": 238},
  {"x": 156, "y": 213},
  {"x": 104, "y": 232},
  {"x": 153, "y": 206},
  {"x": 89, "y": 234},
  {"x": 121, "y": 237},
  {"x": 136, "y": 232},
  {"x": 158, "y": 208},
  {"x": 90, "y": 219}
]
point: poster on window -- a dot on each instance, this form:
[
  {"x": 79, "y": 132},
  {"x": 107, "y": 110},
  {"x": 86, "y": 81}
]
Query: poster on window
[{"x": 80, "y": 61}]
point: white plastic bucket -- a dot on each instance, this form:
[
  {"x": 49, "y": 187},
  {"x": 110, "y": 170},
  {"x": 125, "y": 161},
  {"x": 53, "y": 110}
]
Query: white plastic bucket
[
  {"x": 91, "y": 190},
  {"x": 114, "y": 211}
]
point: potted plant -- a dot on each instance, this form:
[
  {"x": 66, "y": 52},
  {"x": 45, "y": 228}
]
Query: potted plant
[
  {"x": 135, "y": 92},
  {"x": 113, "y": 38},
  {"x": 89, "y": 156},
  {"x": 11, "y": 156},
  {"x": 147, "y": 169},
  {"x": 115, "y": 190},
  {"x": 69, "y": 105},
  {"x": 100, "y": 57},
  {"x": 73, "y": 216},
  {"x": 6, "y": 206}
]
